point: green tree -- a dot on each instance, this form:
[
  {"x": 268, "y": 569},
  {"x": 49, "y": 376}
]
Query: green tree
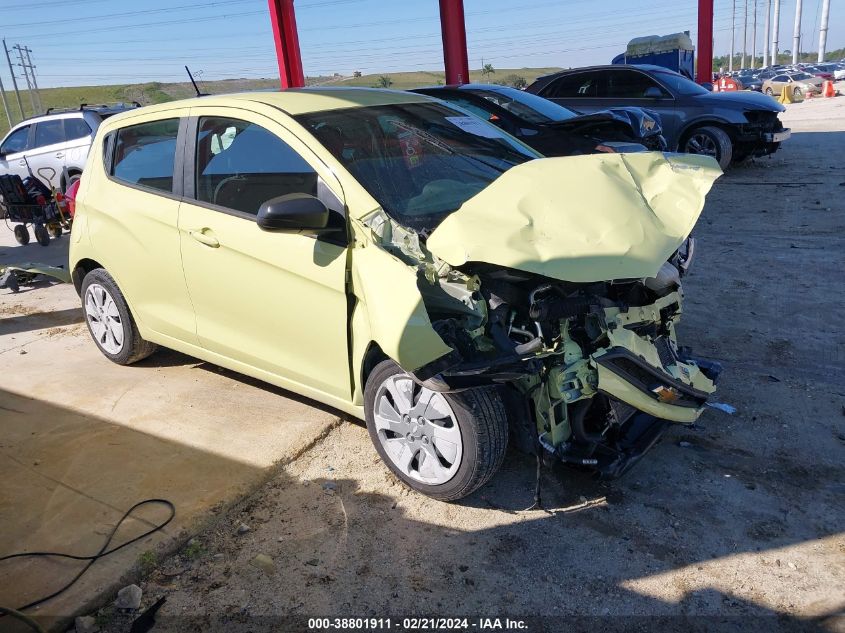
[
  {"x": 488, "y": 70},
  {"x": 383, "y": 81}
]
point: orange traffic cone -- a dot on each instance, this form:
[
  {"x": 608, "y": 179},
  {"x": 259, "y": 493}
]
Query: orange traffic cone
[{"x": 828, "y": 90}]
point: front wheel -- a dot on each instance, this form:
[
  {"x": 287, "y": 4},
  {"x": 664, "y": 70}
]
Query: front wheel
[
  {"x": 21, "y": 234},
  {"x": 710, "y": 141},
  {"x": 445, "y": 445},
  {"x": 770, "y": 92},
  {"x": 796, "y": 92},
  {"x": 109, "y": 321}
]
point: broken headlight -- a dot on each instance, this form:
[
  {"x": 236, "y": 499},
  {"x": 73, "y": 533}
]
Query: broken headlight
[{"x": 684, "y": 256}]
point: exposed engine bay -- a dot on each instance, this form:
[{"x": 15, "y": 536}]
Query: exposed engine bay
[
  {"x": 561, "y": 283},
  {"x": 593, "y": 371}
]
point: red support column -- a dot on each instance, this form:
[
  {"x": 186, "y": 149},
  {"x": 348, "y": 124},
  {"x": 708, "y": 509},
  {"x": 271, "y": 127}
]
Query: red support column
[
  {"x": 283, "y": 19},
  {"x": 454, "y": 41},
  {"x": 704, "y": 63}
]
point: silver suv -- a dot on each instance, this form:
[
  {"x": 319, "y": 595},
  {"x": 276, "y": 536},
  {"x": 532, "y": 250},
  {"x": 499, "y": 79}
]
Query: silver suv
[{"x": 54, "y": 146}]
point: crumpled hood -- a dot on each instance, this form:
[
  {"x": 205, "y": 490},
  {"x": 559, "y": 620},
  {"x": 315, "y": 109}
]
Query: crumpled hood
[{"x": 581, "y": 218}]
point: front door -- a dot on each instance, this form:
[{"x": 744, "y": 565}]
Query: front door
[
  {"x": 272, "y": 301},
  {"x": 13, "y": 152}
]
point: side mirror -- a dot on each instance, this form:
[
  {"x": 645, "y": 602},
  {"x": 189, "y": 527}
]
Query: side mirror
[
  {"x": 293, "y": 212},
  {"x": 653, "y": 92}
]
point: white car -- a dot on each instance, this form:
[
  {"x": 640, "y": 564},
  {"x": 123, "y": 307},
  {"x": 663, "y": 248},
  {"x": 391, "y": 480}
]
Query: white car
[{"x": 54, "y": 146}]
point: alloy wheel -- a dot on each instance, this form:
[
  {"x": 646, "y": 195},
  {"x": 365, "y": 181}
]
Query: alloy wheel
[
  {"x": 701, "y": 144},
  {"x": 104, "y": 319},
  {"x": 418, "y": 430}
]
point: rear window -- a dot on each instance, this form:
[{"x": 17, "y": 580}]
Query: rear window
[
  {"x": 144, "y": 154},
  {"x": 76, "y": 128}
]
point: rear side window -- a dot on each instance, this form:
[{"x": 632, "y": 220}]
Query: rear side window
[
  {"x": 49, "y": 132},
  {"x": 580, "y": 85},
  {"x": 241, "y": 165},
  {"x": 76, "y": 128},
  {"x": 144, "y": 154},
  {"x": 18, "y": 141}
]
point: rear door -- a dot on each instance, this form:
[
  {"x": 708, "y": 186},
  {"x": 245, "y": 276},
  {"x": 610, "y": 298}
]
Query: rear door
[
  {"x": 579, "y": 91},
  {"x": 270, "y": 301},
  {"x": 46, "y": 157},
  {"x": 132, "y": 214}
]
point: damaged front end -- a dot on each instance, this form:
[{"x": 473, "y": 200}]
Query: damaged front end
[{"x": 569, "y": 305}]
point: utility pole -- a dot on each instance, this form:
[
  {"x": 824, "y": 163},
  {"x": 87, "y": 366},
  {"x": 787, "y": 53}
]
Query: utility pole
[
  {"x": 744, "y": 36},
  {"x": 796, "y": 33},
  {"x": 754, "y": 38},
  {"x": 14, "y": 81},
  {"x": 775, "y": 29},
  {"x": 26, "y": 70},
  {"x": 733, "y": 36},
  {"x": 766, "y": 40},
  {"x": 5, "y": 103},
  {"x": 823, "y": 29},
  {"x": 34, "y": 81}
]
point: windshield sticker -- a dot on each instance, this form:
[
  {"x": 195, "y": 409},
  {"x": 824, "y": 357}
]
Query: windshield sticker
[
  {"x": 474, "y": 126},
  {"x": 411, "y": 149}
]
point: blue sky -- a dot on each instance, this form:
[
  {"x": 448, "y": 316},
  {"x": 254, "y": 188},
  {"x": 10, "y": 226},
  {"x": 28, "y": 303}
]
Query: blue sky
[{"x": 153, "y": 40}]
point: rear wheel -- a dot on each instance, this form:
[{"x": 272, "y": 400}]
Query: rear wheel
[
  {"x": 797, "y": 92},
  {"x": 41, "y": 235},
  {"x": 769, "y": 92},
  {"x": 710, "y": 141},
  {"x": 109, "y": 321},
  {"x": 54, "y": 230},
  {"x": 21, "y": 234},
  {"x": 445, "y": 445}
]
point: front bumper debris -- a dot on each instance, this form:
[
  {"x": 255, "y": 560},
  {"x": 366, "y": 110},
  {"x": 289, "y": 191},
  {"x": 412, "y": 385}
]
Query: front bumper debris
[{"x": 777, "y": 137}]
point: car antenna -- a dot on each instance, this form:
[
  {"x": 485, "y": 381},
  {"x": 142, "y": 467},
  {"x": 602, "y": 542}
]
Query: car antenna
[{"x": 191, "y": 77}]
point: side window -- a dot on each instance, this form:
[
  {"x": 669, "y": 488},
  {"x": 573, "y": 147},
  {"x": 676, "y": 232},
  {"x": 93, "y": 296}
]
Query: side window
[
  {"x": 628, "y": 84},
  {"x": 76, "y": 128},
  {"x": 240, "y": 165},
  {"x": 49, "y": 132},
  {"x": 476, "y": 109},
  {"x": 144, "y": 154},
  {"x": 18, "y": 141},
  {"x": 780, "y": 78},
  {"x": 579, "y": 85}
]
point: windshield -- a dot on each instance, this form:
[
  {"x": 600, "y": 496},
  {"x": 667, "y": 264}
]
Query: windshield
[
  {"x": 679, "y": 83},
  {"x": 526, "y": 105},
  {"x": 420, "y": 161}
]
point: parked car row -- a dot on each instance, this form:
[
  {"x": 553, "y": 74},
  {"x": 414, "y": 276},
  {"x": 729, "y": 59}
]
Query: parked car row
[{"x": 729, "y": 126}]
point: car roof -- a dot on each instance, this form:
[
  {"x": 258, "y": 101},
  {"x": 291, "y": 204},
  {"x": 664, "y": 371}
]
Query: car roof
[
  {"x": 295, "y": 101},
  {"x": 493, "y": 87},
  {"x": 647, "y": 67}
]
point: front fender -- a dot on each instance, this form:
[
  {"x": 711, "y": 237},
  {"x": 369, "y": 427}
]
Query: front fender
[{"x": 390, "y": 307}]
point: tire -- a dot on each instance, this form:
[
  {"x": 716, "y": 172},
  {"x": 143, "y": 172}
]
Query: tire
[
  {"x": 797, "y": 92},
  {"x": 21, "y": 234},
  {"x": 468, "y": 434},
  {"x": 54, "y": 230},
  {"x": 108, "y": 319},
  {"x": 710, "y": 141},
  {"x": 41, "y": 235},
  {"x": 71, "y": 179},
  {"x": 770, "y": 92}
]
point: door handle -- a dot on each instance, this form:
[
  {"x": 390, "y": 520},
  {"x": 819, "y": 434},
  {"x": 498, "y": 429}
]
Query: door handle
[
  {"x": 22, "y": 163},
  {"x": 205, "y": 238},
  {"x": 59, "y": 155}
]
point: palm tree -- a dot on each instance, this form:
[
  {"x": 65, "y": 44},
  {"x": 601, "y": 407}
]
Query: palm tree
[{"x": 487, "y": 70}]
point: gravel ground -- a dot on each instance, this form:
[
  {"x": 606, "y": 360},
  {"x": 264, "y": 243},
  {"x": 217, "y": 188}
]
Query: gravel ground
[{"x": 736, "y": 523}]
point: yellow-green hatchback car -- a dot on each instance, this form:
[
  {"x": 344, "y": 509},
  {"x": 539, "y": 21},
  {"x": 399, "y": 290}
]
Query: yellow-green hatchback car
[{"x": 395, "y": 257}]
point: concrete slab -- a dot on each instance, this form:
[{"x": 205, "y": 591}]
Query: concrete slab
[{"x": 82, "y": 440}]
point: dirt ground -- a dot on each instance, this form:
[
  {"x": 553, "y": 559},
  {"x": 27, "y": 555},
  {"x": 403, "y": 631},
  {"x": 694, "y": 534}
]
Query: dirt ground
[{"x": 737, "y": 523}]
